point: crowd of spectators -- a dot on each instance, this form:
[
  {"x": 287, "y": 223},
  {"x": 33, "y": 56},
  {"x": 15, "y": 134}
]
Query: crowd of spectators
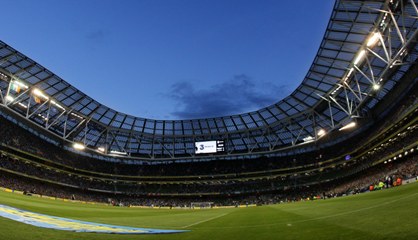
[
  {"x": 355, "y": 184},
  {"x": 255, "y": 192}
]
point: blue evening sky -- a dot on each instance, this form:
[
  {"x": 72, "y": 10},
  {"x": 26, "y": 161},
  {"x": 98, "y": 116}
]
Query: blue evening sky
[{"x": 172, "y": 59}]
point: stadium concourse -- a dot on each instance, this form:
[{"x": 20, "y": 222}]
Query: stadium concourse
[{"x": 350, "y": 127}]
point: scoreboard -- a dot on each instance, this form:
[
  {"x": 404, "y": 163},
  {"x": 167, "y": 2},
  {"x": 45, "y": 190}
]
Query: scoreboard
[{"x": 209, "y": 147}]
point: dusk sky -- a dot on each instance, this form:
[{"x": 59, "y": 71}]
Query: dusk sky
[{"x": 172, "y": 59}]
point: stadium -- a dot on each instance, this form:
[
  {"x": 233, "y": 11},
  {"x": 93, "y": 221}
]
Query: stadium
[{"x": 336, "y": 159}]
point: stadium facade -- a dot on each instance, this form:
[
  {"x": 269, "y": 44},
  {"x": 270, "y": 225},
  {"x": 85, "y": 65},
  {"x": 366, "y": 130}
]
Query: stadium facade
[{"x": 364, "y": 71}]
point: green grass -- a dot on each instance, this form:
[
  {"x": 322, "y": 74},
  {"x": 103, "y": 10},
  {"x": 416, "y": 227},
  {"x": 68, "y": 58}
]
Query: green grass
[{"x": 386, "y": 214}]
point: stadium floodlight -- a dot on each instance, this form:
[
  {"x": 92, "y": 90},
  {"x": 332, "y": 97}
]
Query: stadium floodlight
[
  {"x": 349, "y": 125},
  {"x": 321, "y": 132},
  {"x": 78, "y": 146},
  {"x": 10, "y": 98},
  {"x": 373, "y": 39},
  {"x": 22, "y": 105},
  {"x": 76, "y": 115},
  {"x": 20, "y": 84},
  {"x": 101, "y": 149},
  {"x": 118, "y": 153},
  {"x": 360, "y": 57},
  {"x": 58, "y": 105},
  {"x": 308, "y": 139},
  {"x": 38, "y": 93},
  {"x": 349, "y": 72},
  {"x": 376, "y": 86}
]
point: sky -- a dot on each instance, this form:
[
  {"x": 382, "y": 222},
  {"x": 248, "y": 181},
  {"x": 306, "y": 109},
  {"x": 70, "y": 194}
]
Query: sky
[{"x": 172, "y": 59}]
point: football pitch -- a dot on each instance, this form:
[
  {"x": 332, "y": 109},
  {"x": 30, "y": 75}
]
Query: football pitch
[{"x": 385, "y": 214}]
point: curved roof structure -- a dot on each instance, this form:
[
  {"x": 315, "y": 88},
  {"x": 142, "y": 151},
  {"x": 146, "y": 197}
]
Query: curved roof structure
[{"x": 367, "y": 48}]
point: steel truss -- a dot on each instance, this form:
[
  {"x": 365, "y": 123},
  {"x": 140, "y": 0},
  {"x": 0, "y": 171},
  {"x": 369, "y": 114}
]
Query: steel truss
[{"x": 367, "y": 49}]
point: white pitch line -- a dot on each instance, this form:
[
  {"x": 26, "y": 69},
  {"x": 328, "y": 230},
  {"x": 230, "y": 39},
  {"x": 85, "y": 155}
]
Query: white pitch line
[{"x": 206, "y": 220}]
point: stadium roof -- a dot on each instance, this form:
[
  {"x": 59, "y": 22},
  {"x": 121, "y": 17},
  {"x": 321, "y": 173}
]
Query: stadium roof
[{"x": 367, "y": 48}]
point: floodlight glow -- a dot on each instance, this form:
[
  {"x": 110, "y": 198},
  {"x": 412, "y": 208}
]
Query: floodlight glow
[
  {"x": 308, "y": 139},
  {"x": 376, "y": 86},
  {"x": 58, "y": 105},
  {"x": 76, "y": 115},
  {"x": 349, "y": 72},
  {"x": 360, "y": 57},
  {"x": 321, "y": 132},
  {"x": 118, "y": 153},
  {"x": 350, "y": 125},
  {"x": 10, "y": 98},
  {"x": 78, "y": 146},
  {"x": 22, "y": 105},
  {"x": 20, "y": 84},
  {"x": 101, "y": 149},
  {"x": 38, "y": 93},
  {"x": 373, "y": 39}
]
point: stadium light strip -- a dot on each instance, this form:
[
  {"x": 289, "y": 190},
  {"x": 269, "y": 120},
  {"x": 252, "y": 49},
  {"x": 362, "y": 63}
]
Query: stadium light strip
[
  {"x": 118, "y": 153},
  {"x": 348, "y": 126},
  {"x": 101, "y": 149},
  {"x": 76, "y": 115},
  {"x": 321, "y": 132},
  {"x": 10, "y": 98},
  {"x": 38, "y": 93},
  {"x": 20, "y": 84},
  {"x": 78, "y": 146},
  {"x": 58, "y": 105},
  {"x": 373, "y": 39},
  {"x": 308, "y": 139},
  {"x": 22, "y": 105},
  {"x": 360, "y": 57}
]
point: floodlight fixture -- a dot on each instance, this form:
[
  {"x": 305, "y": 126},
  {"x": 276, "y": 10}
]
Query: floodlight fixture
[
  {"x": 308, "y": 139},
  {"x": 22, "y": 105},
  {"x": 10, "y": 98},
  {"x": 118, "y": 153},
  {"x": 360, "y": 57},
  {"x": 78, "y": 146},
  {"x": 349, "y": 125},
  {"x": 38, "y": 93},
  {"x": 101, "y": 149},
  {"x": 373, "y": 39},
  {"x": 321, "y": 132},
  {"x": 57, "y": 105},
  {"x": 20, "y": 84},
  {"x": 76, "y": 115},
  {"x": 376, "y": 86}
]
